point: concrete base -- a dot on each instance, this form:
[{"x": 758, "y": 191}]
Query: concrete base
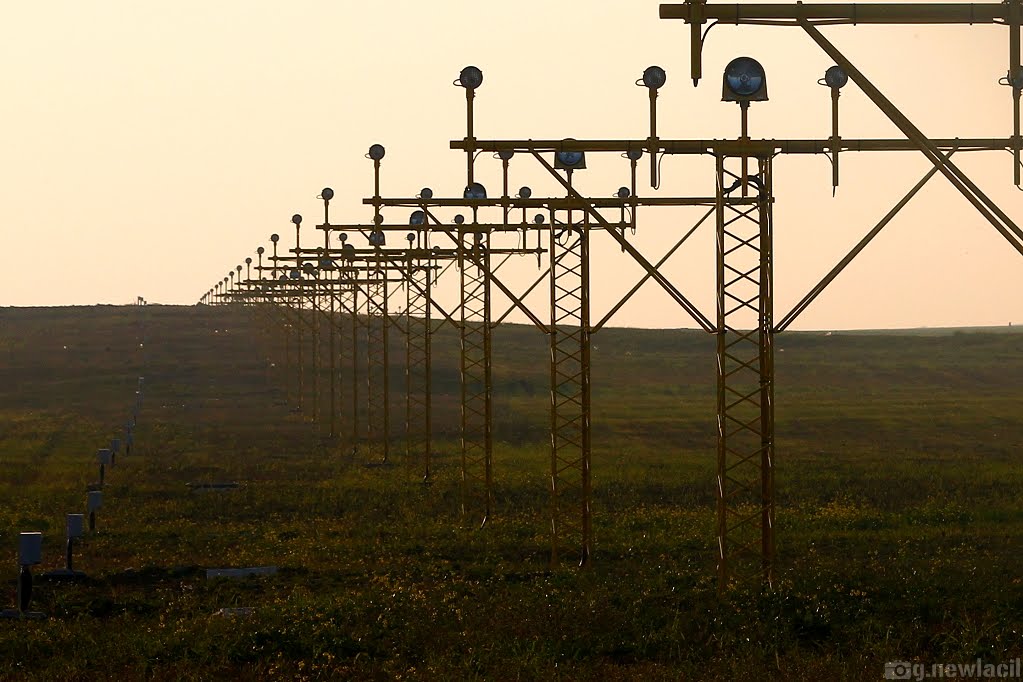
[
  {"x": 14, "y": 614},
  {"x": 240, "y": 572},
  {"x": 203, "y": 487},
  {"x": 63, "y": 574}
]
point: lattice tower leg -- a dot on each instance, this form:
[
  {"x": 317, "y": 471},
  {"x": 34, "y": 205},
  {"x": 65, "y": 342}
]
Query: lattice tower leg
[
  {"x": 571, "y": 527},
  {"x": 476, "y": 389},
  {"x": 745, "y": 364},
  {"x": 417, "y": 369},
  {"x": 377, "y": 393},
  {"x": 349, "y": 360}
]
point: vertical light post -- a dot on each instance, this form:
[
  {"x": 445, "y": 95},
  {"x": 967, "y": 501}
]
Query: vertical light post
[
  {"x": 296, "y": 274},
  {"x": 327, "y": 266}
]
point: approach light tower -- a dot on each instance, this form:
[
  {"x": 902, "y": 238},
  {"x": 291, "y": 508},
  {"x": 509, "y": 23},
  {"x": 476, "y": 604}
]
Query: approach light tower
[{"x": 745, "y": 322}]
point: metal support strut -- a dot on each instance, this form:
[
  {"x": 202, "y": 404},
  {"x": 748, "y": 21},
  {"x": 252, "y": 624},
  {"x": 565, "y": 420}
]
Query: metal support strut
[
  {"x": 571, "y": 529},
  {"x": 477, "y": 437},
  {"x": 745, "y": 370}
]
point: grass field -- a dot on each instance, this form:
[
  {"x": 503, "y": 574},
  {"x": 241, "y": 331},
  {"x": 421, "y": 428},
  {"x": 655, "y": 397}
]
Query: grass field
[{"x": 899, "y": 513}]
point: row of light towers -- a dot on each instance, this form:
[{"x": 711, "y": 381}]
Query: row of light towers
[{"x": 346, "y": 288}]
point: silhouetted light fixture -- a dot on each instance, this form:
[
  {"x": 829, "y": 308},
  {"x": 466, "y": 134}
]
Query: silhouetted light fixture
[
  {"x": 417, "y": 218},
  {"x": 475, "y": 191},
  {"x": 744, "y": 80},
  {"x": 654, "y": 78},
  {"x": 634, "y": 154},
  {"x": 426, "y": 193},
  {"x": 376, "y": 238},
  {"x": 326, "y": 194},
  {"x": 275, "y": 238},
  {"x": 570, "y": 160},
  {"x": 624, "y": 193},
  {"x": 297, "y": 219},
  {"x": 470, "y": 78},
  {"x": 376, "y": 152},
  {"x": 525, "y": 192},
  {"x": 836, "y": 77}
]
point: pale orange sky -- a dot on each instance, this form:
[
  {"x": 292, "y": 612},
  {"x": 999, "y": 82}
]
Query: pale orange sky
[{"x": 149, "y": 147}]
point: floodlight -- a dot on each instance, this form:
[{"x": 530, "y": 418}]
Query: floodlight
[
  {"x": 326, "y": 194},
  {"x": 426, "y": 193},
  {"x": 376, "y": 152},
  {"x": 376, "y": 238},
  {"x": 505, "y": 154},
  {"x": 570, "y": 160},
  {"x": 470, "y": 78},
  {"x": 624, "y": 193},
  {"x": 744, "y": 80},
  {"x": 459, "y": 219},
  {"x": 275, "y": 238},
  {"x": 417, "y": 218},
  {"x": 475, "y": 191},
  {"x": 654, "y": 78},
  {"x": 634, "y": 154},
  {"x": 326, "y": 264},
  {"x": 283, "y": 278},
  {"x": 297, "y": 219},
  {"x": 836, "y": 77},
  {"x": 1014, "y": 78},
  {"x": 525, "y": 192}
]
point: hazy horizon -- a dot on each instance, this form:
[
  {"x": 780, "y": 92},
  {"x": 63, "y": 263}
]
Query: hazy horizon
[{"x": 151, "y": 148}]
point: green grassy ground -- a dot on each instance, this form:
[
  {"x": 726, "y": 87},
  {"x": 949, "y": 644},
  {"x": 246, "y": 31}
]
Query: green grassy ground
[{"x": 898, "y": 509}]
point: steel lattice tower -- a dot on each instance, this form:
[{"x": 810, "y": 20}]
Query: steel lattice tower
[
  {"x": 476, "y": 388},
  {"x": 745, "y": 371},
  {"x": 571, "y": 531}
]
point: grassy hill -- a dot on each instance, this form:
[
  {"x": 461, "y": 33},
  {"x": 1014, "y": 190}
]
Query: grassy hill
[{"x": 898, "y": 508}]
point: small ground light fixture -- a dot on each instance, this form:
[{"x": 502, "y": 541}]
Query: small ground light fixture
[
  {"x": 103, "y": 458},
  {"x": 75, "y": 530},
  {"x": 115, "y": 447},
  {"x": 94, "y": 502},
  {"x": 30, "y": 553}
]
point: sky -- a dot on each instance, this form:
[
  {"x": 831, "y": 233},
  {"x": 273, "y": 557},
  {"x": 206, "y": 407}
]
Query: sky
[{"x": 149, "y": 147}]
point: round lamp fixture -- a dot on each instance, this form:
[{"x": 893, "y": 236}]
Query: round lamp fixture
[
  {"x": 744, "y": 81},
  {"x": 475, "y": 191},
  {"x": 426, "y": 193},
  {"x": 459, "y": 219},
  {"x": 470, "y": 78},
  {"x": 624, "y": 193},
  {"x": 525, "y": 192},
  {"x": 505, "y": 154},
  {"x": 297, "y": 219},
  {"x": 260, "y": 251},
  {"x": 836, "y": 77},
  {"x": 326, "y": 194},
  {"x": 275, "y": 238},
  {"x": 376, "y": 152},
  {"x": 654, "y": 77},
  {"x": 417, "y": 218}
]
